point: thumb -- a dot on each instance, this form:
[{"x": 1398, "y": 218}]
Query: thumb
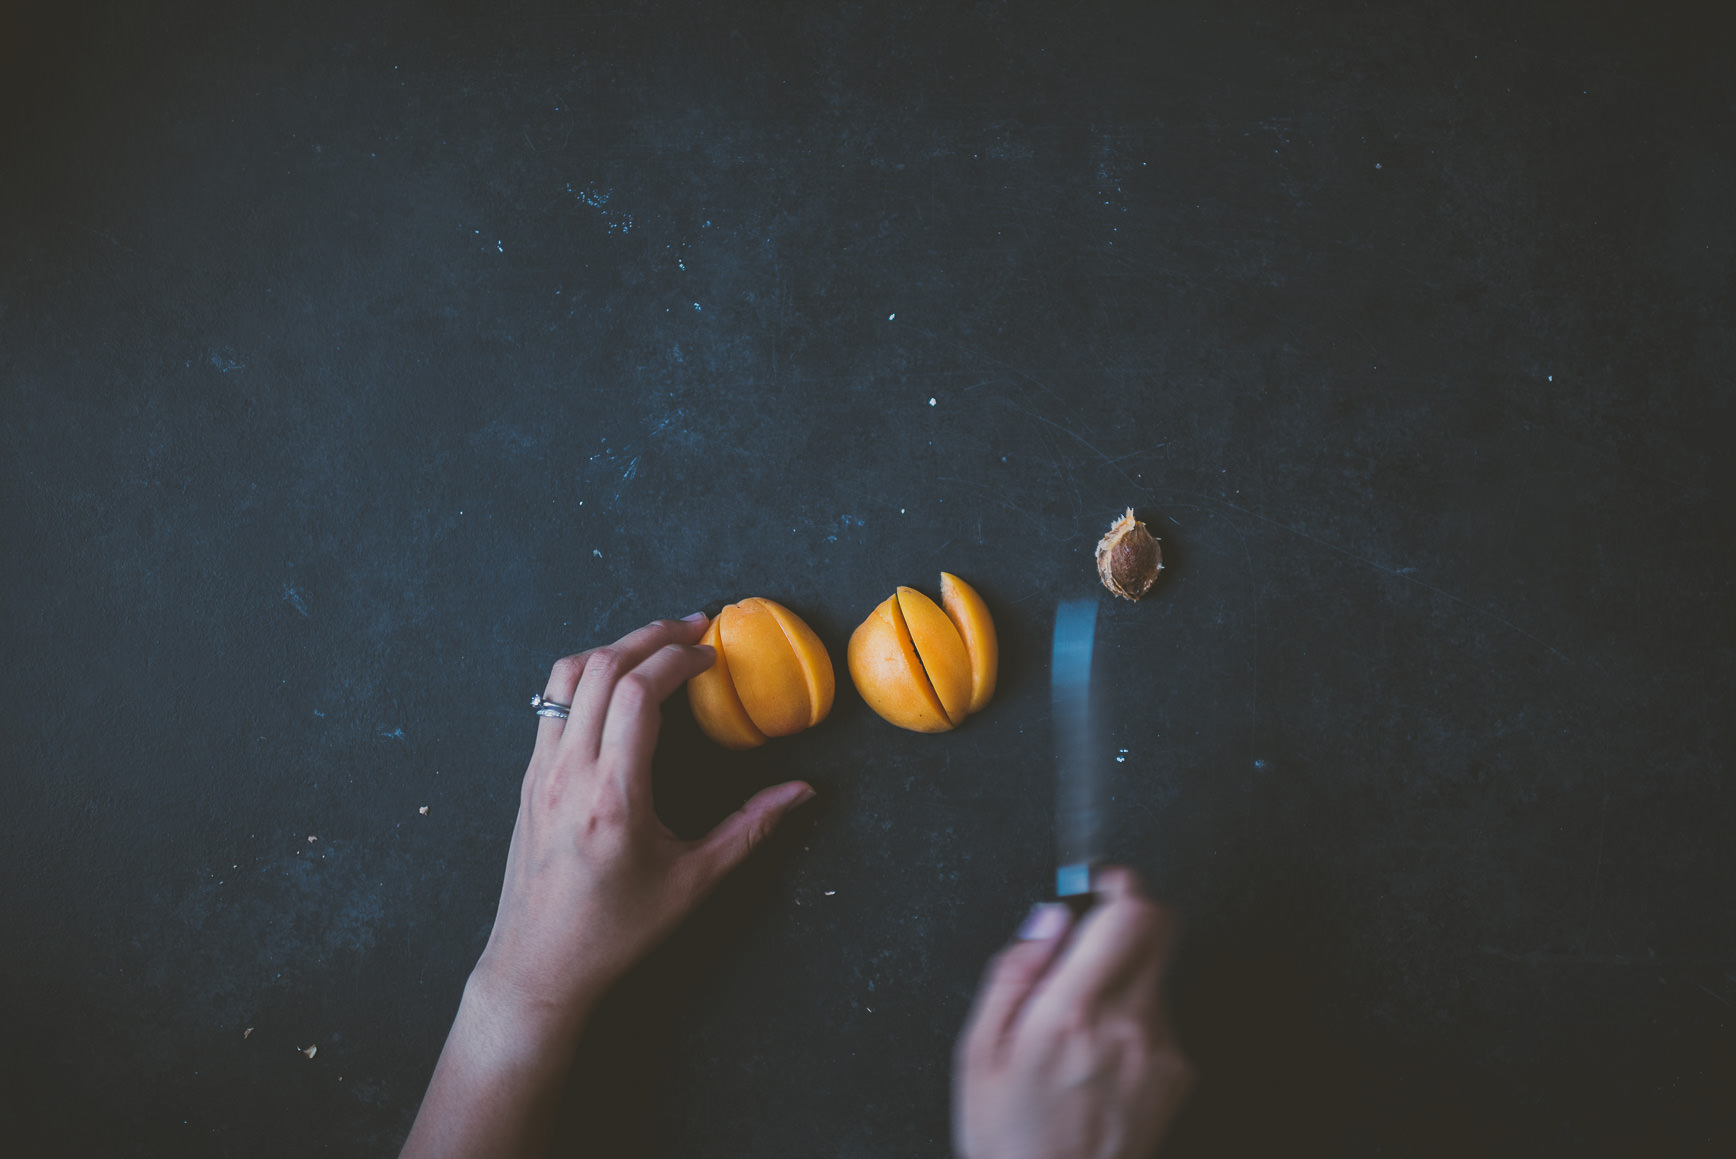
[
  {"x": 744, "y": 830},
  {"x": 1011, "y": 977}
]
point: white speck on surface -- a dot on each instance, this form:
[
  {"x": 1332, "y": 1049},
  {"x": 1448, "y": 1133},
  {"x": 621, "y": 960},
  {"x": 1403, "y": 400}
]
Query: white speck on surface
[
  {"x": 1260, "y": 764},
  {"x": 931, "y": 402},
  {"x": 830, "y": 892},
  {"x": 294, "y": 598},
  {"x": 311, "y": 838},
  {"x": 696, "y": 305},
  {"x": 1377, "y": 164},
  {"x": 901, "y": 511},
  {"x": 248, "y": 1033},
  {"x": 596, "y": 553},
  {"x": 1551, "y": 378},
  {"x": 310, "y": 1051},
  {"x": 889, "y": 317},
  {"x": 423, "y": 810},
  {"x": 1121, "y": 760},
  {"x": 499, "y": 247}
]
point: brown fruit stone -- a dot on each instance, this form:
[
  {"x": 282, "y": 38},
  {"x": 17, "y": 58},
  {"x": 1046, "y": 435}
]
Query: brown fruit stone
[{"x": 1128, "y": 558}]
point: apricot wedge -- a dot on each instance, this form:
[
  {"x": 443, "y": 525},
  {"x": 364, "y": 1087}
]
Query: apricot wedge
[
  {"x": 924, "y": 668},
  {"x": 941, "y": 650},
  {"x": 716, "y": 706},
  {"x": 965, "y": 608},
  {"x": 772, "y": 676}
]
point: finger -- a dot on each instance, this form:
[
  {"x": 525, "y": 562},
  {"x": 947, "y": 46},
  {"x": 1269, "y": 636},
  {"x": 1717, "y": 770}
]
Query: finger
[
  {"x": 1122, "y": 942},
  {"x": 630, "y": 729},
  {"x": 606, "y": 665},
  {"x": 746, "y": 829},
  {"x": 563, "y": 678},
  {"x": 1010, "y": 978}
]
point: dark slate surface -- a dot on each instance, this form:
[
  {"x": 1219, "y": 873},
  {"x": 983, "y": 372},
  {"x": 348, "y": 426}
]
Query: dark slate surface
[{"x": 356, "y": 366}]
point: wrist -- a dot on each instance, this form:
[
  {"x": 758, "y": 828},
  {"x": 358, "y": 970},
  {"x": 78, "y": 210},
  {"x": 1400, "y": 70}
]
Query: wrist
[{"x": 519, "y": 1018}]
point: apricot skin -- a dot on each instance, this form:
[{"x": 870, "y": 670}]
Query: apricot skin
[
  {"x": 772, "y": 676},
  {"x": 924, "y": 668}
]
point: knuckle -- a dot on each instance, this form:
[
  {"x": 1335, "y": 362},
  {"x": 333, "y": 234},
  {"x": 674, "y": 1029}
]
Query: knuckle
[
  {"x": 567, "y": 670},
  {"x": 604, "y": 663},
  {"x": 632, "y": 692}
]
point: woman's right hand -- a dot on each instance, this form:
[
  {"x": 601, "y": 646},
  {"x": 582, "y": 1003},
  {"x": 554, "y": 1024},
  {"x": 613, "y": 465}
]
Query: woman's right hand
[{"x": 1067, "y": 1053}]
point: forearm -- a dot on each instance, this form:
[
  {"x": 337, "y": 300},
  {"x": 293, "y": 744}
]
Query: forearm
[{"x": 499, "y": 1079}]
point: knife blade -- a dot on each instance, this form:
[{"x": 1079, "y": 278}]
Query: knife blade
[{"x": 1078, "y": 779}]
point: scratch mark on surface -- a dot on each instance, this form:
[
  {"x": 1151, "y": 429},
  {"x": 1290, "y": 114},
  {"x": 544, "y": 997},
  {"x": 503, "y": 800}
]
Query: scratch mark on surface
[
  {"x": 1538, "y": 958},
  {"x": 1716, "y": 995},
  {"x": 1394, "y": 572},
  {"x": 609, "y": 611},
  {"x": 395, "y": 734},
  {"x": 1602, "y": 824},
  {"x": 1106, "y": 460}
]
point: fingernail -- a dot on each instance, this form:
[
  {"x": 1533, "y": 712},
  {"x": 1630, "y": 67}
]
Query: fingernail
[
  {"x": 808, "y": 794},
  {"x": 1046, "y": 921},
  {"x": 694, "y": 618}
]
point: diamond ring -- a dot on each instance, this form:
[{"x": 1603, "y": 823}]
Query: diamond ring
[{"x": 547, "y": 707}]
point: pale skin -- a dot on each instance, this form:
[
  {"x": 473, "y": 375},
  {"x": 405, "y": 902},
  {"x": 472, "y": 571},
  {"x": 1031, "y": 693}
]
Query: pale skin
[{"x": 1067, "y": 1054}]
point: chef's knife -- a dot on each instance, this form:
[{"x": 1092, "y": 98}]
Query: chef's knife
[{"x": 1078, "y": 780}]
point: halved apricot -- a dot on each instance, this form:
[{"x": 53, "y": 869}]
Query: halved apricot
[{"x": 923, "y": 668}]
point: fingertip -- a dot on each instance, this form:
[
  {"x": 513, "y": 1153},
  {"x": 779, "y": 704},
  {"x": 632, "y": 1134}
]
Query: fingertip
[
  {"x": 1046, "y": 922},
  {"x": 1115, "y": 882},
  {"x": 793, "y": 795}
]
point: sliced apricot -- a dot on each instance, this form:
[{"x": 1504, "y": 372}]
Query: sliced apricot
[
  {"x": 772, "y": 676},
  {"x": 889, "y": 676},
  {"x": 965, "y": 608},
  {"x": 715, "y": 704},
  {"x": 922, "y": 667},
  {"x": 941, "y": 650}
]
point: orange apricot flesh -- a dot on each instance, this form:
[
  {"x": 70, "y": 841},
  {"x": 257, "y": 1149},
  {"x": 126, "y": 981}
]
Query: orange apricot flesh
[{"x": 941, "y": 650}]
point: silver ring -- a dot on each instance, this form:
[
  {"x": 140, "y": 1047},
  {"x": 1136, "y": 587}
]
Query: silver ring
[{"x": 546, "y": 707}]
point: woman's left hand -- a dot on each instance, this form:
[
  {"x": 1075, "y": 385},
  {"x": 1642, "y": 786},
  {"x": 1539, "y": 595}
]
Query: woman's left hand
[{"x": 593, "y": 880}]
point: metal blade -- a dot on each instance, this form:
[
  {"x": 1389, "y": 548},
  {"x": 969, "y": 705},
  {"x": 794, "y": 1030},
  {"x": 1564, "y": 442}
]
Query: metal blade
[{"x": 1078, "y": 779}]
